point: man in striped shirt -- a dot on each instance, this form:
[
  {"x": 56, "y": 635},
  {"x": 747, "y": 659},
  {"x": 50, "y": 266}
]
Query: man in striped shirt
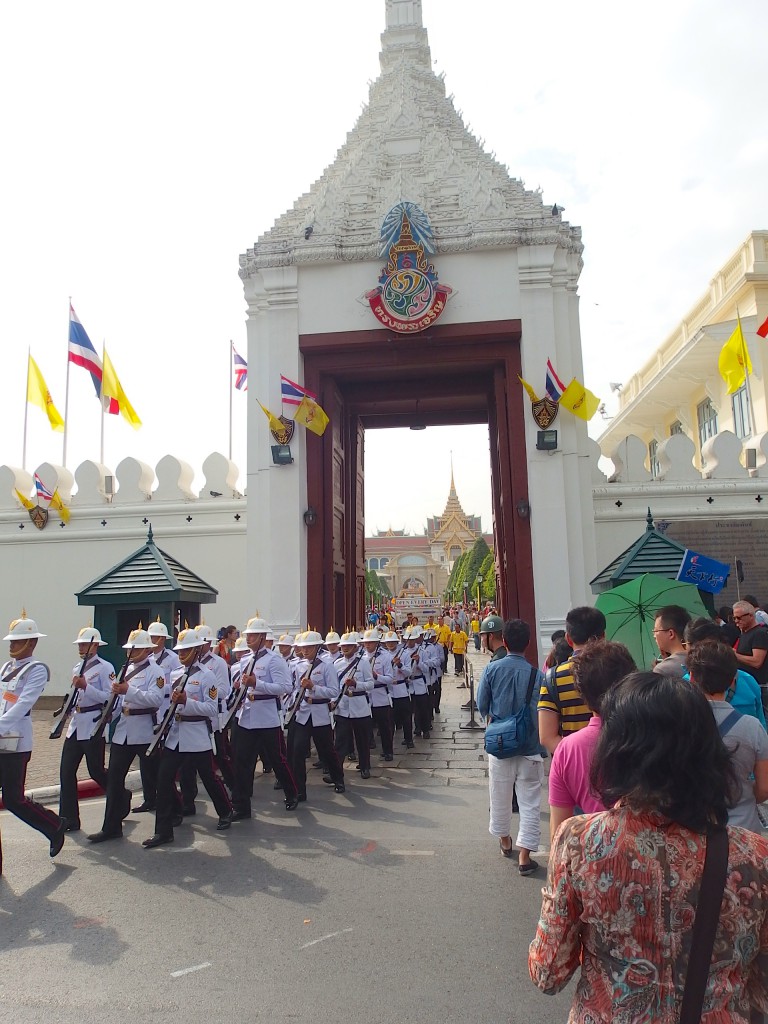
[{"x": 562, "y": 709}]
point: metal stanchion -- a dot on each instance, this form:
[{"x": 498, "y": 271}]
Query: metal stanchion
[{"x": 472, "y": 724}]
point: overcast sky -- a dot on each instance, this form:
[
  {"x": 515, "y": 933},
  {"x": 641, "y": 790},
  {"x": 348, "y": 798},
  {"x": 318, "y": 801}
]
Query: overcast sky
[{"x": 148, "y": 145}]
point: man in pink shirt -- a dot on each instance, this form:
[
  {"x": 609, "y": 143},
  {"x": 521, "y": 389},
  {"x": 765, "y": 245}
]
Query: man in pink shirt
[{"x": 600, "y": 666}]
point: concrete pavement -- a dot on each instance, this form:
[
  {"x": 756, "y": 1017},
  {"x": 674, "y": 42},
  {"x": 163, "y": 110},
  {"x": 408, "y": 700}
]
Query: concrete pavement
[{"x": 386, "y": 903}]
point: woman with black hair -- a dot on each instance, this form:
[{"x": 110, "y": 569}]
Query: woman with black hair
[{"x": 624, "y": 884}]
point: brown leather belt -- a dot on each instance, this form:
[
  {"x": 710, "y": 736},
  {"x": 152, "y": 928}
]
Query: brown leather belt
[
  {"x": 318, "y": 700},
  {"x": 262, "y": 696},
  {"x": 379, "y": 686},
  {"x": 91, "y": 707},
  {"x": 357, "y": 693},
  {"x": 139, "y": 711},
  {"x": 192, "y": 718}
]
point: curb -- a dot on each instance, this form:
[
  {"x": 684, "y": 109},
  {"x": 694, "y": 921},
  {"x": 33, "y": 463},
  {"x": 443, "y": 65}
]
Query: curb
[{"x": 85, "y": 788}]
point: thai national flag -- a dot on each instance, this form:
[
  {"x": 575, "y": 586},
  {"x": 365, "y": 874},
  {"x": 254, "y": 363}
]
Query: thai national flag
[
  {"x": 554, "y": 386},
  {"x": 43, "y": 494},
  {"x": 82, "y": 353},
  {"x": 241, "y": 371},
  {"x": 292, "y": 393}
]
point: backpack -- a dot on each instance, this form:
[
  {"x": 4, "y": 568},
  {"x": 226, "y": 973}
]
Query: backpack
[{"x": 511, "y": 737}]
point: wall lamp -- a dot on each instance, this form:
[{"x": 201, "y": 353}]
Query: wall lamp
[
  {"x": 281, "y": 455},
  {"x": 523, "y": 509},
  {"x": 310, "y": 517}
]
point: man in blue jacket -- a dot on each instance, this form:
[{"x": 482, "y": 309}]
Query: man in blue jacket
[{"x": 505, "y": 687}]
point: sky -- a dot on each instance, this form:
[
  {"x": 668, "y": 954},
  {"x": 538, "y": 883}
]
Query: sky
[{"x": 148, "y": 145}]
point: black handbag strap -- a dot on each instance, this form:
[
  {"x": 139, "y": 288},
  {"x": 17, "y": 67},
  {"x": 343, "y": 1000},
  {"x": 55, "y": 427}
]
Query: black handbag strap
[{"x": 711, "y": 890}]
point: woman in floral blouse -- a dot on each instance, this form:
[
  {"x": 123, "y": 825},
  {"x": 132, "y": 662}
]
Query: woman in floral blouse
[{"x": 623, "y": 884}]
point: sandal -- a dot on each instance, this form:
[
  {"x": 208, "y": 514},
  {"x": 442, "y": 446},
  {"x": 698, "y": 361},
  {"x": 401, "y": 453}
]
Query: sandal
[
  {"x": 529, "y": 868},
  {"x": 504, "y": 851}
]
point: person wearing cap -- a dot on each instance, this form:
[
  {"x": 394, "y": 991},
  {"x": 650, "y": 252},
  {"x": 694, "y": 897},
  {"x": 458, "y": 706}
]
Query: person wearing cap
[
  {"x": 92, "y": 677},
  {"x": 285, "y": 648},
  {"x": 222, "y": 745},
  {"x": 418, "y": 677},
  {"x": 443, "y": 636},
  {"x": 189, "y": 741},
  {"x": 402, "y": 709},
  {"x": 168, "y": 662},
  {"x": 332, "y": 645},
  {"x": 353, "y": 711},
  {"x": 381, "y": 695},
  {"x": 239, "y": 652},
  {"x": 318, "y": 685},
  {"x": 22, "y": 680},
  {"x": 492, "y": 628},
  {"x": 142, "y": 695},
  {"x": 259, "y": 729},
  {"x": 433, "y": 659}
]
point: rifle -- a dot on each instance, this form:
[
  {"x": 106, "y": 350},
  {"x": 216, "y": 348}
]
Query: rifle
[
  {"x": 109, "y": 707},
  {"x": 233, "y": 706},
  {"x": 69, "y": 702},
  {"x": 301, "y": 696},
  {"x": 161, "y": 731},
  {"x": 350, "y": 668}
]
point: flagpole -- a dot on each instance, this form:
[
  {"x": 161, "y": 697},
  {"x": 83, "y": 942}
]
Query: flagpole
[
  {"x": 26, "y": 415},
  {"x": 745, "y": 360},
  {"x": 66, "y": 397},
  {"x": 101, "y": 453},
  {"x": 231, "y": 384}
]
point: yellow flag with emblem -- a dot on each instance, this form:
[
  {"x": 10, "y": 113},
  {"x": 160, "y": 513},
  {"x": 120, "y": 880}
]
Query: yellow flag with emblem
[
  {"x": 734, "y": 362},
  {"x": 312, "y": 416},
  {"x": 274, "y": 422},
  {"x": 39, "y": 395},
  {"x": 531, "y": 393},
  {"x": 579, "y": 400},
  {"x": 60, "y": 507}
]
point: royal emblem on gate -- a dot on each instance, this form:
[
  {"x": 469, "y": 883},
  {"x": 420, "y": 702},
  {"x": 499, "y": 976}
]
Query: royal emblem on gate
[{"x": 409, "y": 297}]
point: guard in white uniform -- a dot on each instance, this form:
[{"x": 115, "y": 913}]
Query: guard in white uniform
[
  {"x": 168, "y": 662},
  {"x": 22, "y": 680},
  {"x": 195, "y": 697},
  {"x": 353, "y": 710},
  {"x": 318, "y": 685},
  {"x": 142, "y": 695},
  {"x": 381, "y": 697},
  {"x": 93, "y": 678},
  {"x": 418, "y": 672},
  {"x": 332, "y": 649},
  {"x": 402, "y": 710},
  {"x": 259, "y": 727}
]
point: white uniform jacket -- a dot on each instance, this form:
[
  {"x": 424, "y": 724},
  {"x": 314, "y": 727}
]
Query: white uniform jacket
[
  {"x": 261, "y": 707},
  {"x": 417, "y": 669},
  {"x": 325, "y": 689},
  {"x": 21, "y": 683},
  {"x": 195, "y": 721},
  {"x": 220, "y": 670},
  {"x": 141, "y": 705},
  {"x": 400, "y": 673},
  {"x": 357, "y": 686},
  {"x": 99, "y": 676},
  {"x": 432, "y": 659},
  {"x": 381, "y": 668}
]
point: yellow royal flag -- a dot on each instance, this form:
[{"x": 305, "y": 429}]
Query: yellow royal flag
[
  {"x": 311, "y": 415},
  {"x": 112, "y": 388},
  {"x": 60, "y": 507},
  {"x": 23, "y": 499},
  {"x": 39, "y": 395},
  {"x": 531, "y": 393},
  {"x": 734, "y": 362},
  {"x": 579, "y": 400},
  {"x": 274, "y": 422}
]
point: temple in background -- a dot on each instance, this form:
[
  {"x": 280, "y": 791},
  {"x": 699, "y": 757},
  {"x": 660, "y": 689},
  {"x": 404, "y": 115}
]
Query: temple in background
[{"x": 421, "y": 563}]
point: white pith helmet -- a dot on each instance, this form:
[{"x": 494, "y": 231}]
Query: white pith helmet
[
  {"x": 256, "y": 625},
  {"x": 350, "y": 639},
  {"x": 332, "y": 637},
  {"x": 138, "y": 639},
  {"x": 390, "y": 637},
  {"x": 205, "y": 633},
  {"x": 371, "y": 636},
  {"x": 89, "y": 635},
  {"x": 23, "y": 629},
  {"x": 270, "y": 636},
  {"x": 309, "y": 639},
  {"x": 159, "y": 629},
  {"x": 241, "y": 646},
  {"x": 188, "y": 638},
  {"x": 414, "y": 633},
  {"x": 285, "y": 640}
]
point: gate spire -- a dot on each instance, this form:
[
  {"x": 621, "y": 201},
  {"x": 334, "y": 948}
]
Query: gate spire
[{"x": 404, "y": 14}]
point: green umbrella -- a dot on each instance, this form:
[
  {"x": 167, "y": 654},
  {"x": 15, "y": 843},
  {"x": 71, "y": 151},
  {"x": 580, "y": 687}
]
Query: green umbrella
[{"x": 630, "y": 611}]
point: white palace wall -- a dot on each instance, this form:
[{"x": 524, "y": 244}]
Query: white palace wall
[{"x": 42, "y": 569}]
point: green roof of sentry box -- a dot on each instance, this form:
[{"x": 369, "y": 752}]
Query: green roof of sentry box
[
  {"x": 653, "y": 553},
  {"x": 148, "y": 574}
]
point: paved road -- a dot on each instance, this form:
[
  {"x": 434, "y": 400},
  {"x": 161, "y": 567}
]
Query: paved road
[{"x": 388, "y": 903}]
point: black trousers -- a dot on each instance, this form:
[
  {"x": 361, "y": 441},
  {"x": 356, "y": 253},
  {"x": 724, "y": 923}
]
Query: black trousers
[
  {"x": 250, "y": 745},
  {"x": 458, "y": 660},
  {"x": 13, "y": 775},
  {"x": 201, "y": 763},
  {"x": 188, "y": 775},
  {"x": 72, "y": 753},
  {"x": 121, "y": 757},
  {"x": 422, "y": 713},
  {"x": 148, "y": 767},
  {"x": 403, "y": 716},
  {"x": 299, "y": 737},
  {"x": 384, "y": 722},
  {"x": 359, "y": 728},
  {"x": 437, "y": 693}
]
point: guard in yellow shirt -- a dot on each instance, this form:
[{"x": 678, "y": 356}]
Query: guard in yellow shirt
[
  {"x": 474, "y": 629},
  {"x": 443, "y": 635}
]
